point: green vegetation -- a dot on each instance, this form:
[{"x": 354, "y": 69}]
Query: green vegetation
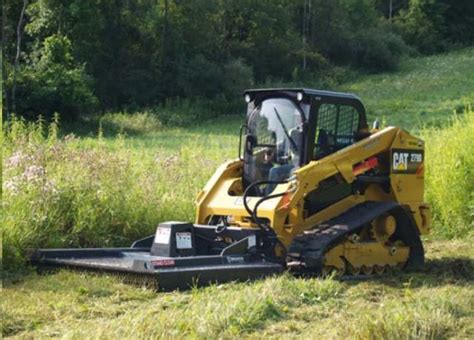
[
  {"x": 122, "y": 174},
  {"x": 83, "y": 56},
  {"x": 449, "y": 175},
  {"x": 91, "y": 192},
  {"x": 73, "y": 192},
  {"x": 425, "y": 91},
  {"x": 435, "y": 303},
  {"x": 125, "y": 174}
]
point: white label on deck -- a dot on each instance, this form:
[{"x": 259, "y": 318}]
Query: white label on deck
[
  {"x": 252, "y": 241},
  {"x": 162, "y": 235},
  {"x": 184, "y": 241}
]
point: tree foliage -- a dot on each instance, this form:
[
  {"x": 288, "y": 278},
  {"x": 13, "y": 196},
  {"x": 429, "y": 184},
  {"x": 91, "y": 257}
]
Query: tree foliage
[
  {"x": 54, "y": 82},
  {"x": 78, "y": 56},
  {"x": 433, "y": 25}
]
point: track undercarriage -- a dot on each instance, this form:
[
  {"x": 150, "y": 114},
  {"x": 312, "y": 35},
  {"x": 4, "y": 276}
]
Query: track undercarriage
[{"x": 372, "y": 237}]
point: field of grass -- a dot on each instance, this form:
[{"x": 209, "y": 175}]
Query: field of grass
[
  {"x": 425, "y": 91},
  {"x": 113, "y": 183},
  {"x": 435, "y": 303}
]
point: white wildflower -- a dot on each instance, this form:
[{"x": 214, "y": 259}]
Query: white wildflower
[
  {"x": 33, "y": 173},
  {"x": 15, "y": 159},
  {"x": 12, "y": 186}
]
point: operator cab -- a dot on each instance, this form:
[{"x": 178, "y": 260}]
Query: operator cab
[{"x": 288, "y": 128}]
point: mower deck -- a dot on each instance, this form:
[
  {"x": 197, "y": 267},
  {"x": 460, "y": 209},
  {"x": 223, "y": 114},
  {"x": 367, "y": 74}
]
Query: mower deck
[{"x": 169, "y": 272}]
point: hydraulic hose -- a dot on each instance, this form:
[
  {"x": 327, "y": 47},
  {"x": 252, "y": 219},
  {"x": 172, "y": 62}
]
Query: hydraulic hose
[
  {"x": 255, "y": 218},
  {"x": 253, "y": 214},
  {"x": 251, "y": 186},
  {"x": 260, "y": 201}
]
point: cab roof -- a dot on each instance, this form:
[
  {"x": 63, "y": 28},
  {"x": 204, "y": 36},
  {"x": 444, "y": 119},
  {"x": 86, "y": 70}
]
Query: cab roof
[
  {"x": 310, "y": 92},
  {"x": 320, "y": 97}
]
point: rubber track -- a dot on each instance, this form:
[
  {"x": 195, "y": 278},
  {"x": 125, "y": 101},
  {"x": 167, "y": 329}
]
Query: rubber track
[{"x": 311, "y": 246}]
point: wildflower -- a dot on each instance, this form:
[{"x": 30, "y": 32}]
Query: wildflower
[
  {"x": 70, "y": 138},
  {"x": 49, "y": 187},
  {"x": 15, "y": 160},
  {"x": 33, "y": 173},
  {"x": 12, "y": 186}
]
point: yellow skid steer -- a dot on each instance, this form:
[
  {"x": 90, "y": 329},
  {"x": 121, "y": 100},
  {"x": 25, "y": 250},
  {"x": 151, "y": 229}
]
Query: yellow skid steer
[{"x": 313, "y": 190}]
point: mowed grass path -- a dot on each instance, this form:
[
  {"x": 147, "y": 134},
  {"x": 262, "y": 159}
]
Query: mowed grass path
[
  {"x": 176, "y": 162},
  {"x": 435, "y": 303}
]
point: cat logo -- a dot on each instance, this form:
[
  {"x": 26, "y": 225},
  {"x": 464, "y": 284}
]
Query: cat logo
[
  {"x": 406, "y": 161},
  {"x": 400, "y": 161}
]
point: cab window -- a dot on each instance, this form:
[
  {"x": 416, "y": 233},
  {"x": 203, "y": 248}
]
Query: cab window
[{"x": 336, "y": 128}]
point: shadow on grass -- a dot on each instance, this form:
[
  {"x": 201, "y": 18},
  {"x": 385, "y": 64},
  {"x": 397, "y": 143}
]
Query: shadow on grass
[
  {"x": 455, "y": 267},
  {"x": 89, "y": 127},
  {"x": 435, "y": 273}
]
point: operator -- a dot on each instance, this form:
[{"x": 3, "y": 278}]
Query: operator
[{"x": 279, "y": 171}]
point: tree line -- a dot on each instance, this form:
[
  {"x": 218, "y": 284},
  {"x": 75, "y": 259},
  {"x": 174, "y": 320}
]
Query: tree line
[{"x": 83, "y": 56}]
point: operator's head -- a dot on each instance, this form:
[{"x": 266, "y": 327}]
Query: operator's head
[{"x": 268, "y": 155}]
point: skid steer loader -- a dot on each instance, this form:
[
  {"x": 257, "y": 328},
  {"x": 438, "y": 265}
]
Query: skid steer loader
[{"x": 313, "y": 191}]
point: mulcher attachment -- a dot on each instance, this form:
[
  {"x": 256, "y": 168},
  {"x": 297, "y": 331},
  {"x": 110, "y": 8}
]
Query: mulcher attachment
[{"x": 179, "y": 256}]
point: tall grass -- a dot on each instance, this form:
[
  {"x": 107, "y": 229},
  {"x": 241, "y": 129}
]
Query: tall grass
[
  {"x": 68, "y": 192},
  {"x": 450, "y": 175},
  {"x": 74, "y": 192}
]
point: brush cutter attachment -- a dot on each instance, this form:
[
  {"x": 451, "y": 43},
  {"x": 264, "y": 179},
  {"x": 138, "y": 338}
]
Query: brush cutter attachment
[{"x": 179, "y": 256}]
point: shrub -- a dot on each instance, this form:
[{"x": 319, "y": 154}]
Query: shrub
[
  {"x": 203, "y": 78},
  {"x": 237, "y": 77},
  {"x": 54, "y": 82},
  {"x": 377, "y": 50},
  {"x": 200, "y": 77}
]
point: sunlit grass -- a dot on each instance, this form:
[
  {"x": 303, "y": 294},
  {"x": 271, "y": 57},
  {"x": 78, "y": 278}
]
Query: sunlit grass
[
  {"x": 425, "y": 91},
  {"x": 434, "y": 303},
  {"x": 449, "y": 170},
  {"x": 120, "y": 175},
  {"x": 101, "y": 192}
]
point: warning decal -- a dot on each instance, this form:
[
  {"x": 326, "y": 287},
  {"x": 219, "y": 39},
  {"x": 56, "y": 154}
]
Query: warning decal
[
  {"x": 162, "y": 235},
  {"x": 184, "y": 241},
  {"x": 406, "y": 161}
]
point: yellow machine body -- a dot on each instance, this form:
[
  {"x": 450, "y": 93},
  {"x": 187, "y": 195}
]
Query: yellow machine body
[
  {"x": 222, "y": 195},
  {"x": 335, "y": 183},
  {"x": 313, "y": 191}
]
